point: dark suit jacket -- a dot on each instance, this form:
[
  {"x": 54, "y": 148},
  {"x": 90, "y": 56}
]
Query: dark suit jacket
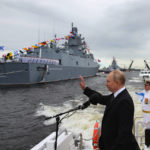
[{"x": 117, "y": 122}]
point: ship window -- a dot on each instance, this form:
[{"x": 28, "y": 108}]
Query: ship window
[
  {"x": 57, "y": 50},
  {"x": 77, "y": 63},
  {"x": 59, "y": 61}
]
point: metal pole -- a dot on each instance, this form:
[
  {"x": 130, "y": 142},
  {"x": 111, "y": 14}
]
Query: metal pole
[{"x": 57, "y": 125}]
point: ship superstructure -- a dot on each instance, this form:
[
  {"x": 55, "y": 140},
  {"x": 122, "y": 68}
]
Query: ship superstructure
[{"x": 114, "y": 65}]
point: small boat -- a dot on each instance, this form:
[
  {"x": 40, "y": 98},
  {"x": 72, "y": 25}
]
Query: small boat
[{"x": 145, "y": 74}]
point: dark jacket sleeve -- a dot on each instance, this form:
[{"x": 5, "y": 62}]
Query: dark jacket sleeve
[{"x": 96, "y": 97}]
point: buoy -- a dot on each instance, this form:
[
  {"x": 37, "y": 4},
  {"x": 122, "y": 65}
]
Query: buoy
[{"x": 96, "y": 135}]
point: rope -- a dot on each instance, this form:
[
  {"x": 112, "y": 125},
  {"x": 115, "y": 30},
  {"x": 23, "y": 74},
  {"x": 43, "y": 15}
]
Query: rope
[{"x": 87, "y": 139}]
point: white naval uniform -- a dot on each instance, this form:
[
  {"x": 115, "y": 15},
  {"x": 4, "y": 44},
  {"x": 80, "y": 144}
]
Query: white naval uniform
[{"x": 146, "y": 108}]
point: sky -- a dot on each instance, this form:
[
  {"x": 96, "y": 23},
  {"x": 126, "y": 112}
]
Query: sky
[{"x": 119, "y": 28}]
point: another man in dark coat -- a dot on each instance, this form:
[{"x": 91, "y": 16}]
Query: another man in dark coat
[{"x": 117, "y": 122}]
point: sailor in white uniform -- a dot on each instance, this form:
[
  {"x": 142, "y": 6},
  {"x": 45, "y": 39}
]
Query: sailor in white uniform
[{"x": 146, "y": 112}]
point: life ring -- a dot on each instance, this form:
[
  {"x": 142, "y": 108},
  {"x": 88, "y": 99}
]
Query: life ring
[{"x": 96, "y": 135}]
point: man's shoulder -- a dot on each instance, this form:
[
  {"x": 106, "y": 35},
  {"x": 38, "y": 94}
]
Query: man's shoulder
[{"x": 125, "y": 95}]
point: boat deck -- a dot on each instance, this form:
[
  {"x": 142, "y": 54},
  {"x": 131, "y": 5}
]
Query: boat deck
[{"x": 66, "y": 141}]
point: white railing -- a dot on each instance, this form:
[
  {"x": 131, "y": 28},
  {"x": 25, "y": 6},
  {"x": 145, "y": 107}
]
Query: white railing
[
  {"x": 65, "y": 141},
  {"x": 136, "y": 130}
]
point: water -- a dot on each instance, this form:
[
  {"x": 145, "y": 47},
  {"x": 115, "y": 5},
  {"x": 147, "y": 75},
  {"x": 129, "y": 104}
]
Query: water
[{"x": 22, "y": 110}]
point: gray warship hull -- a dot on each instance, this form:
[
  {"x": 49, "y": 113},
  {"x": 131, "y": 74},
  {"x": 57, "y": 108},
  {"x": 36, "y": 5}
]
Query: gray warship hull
[
  {"x": 49, "y": 63},
  {"x": 25, "y": 74}
]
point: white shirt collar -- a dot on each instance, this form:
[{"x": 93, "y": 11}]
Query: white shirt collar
[{"x": 118, "y": 92}]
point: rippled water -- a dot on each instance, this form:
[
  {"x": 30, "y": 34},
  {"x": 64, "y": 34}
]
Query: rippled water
[{"x": 22, "y": 110}]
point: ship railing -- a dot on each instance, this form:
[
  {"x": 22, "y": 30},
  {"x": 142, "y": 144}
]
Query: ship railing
[
  {"x": 66, "y": 142},
  {"x": 138, "y": 131},
  {"x": 79, "y": 141}
]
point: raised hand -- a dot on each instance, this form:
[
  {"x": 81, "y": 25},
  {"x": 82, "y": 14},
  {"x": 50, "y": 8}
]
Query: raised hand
[{"x": 82, "y": 83}]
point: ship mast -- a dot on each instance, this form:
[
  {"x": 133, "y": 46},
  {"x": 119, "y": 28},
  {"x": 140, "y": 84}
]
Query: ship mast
[{"x": 40, "y": 53}]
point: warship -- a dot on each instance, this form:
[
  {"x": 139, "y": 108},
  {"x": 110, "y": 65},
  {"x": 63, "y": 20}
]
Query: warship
[
  {"x": 48, "y": 62},
  {"x": 113, "y": 66}
]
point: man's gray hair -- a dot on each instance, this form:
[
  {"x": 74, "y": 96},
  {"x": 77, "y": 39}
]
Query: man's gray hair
[{"x": 118, "y": 75}]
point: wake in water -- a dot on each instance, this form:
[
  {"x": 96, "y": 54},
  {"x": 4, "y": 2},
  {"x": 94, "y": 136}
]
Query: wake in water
[{"x": 82, "y": 121}]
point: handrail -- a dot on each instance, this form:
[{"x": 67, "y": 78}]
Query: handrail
[
  {"x": 134, "y": 123},
  {"x": 136, "y": 130}
]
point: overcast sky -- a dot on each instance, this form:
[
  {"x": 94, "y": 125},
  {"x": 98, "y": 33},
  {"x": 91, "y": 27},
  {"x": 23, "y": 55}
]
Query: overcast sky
[{"x": 119, "y": 28}]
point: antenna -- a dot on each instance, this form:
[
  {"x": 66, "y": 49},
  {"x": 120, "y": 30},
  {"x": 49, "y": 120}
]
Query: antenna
[
  {"x": 53, "y": 26},
  {"x": 39, "y": 26},
  {"x": 55, "y": 39}
]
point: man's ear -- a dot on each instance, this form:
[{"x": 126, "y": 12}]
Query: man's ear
[{"x": 118, "y": 82}]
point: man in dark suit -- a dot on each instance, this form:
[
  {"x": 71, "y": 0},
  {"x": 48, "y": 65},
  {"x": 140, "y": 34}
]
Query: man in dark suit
[{"x": 117, "y": 122}]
